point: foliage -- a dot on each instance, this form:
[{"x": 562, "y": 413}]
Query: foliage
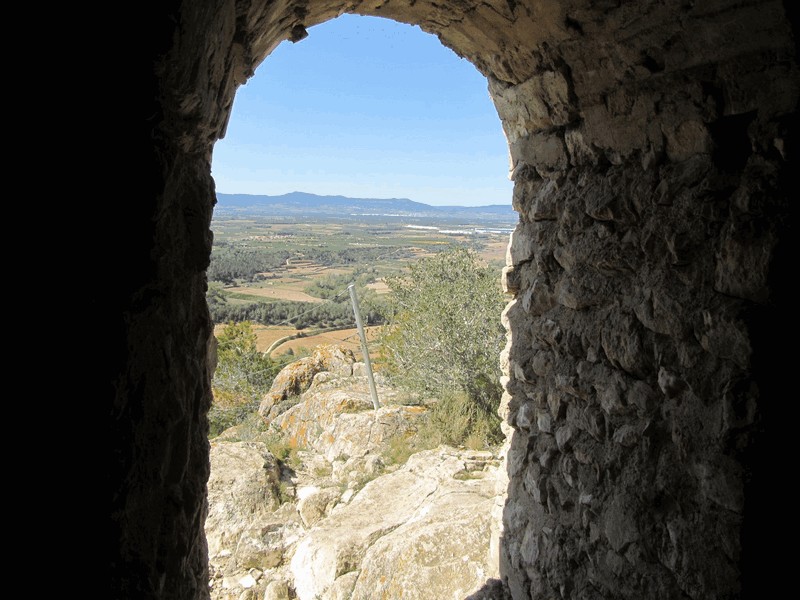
[
  {"x": 241, "y": 368},
  {"x": 240, "y": 424},
  {"x": 400, "y": 447},
  {"x": 456, "y": 419},
  {"x": 299, "y": 314},
  {"x": 280, "y": 447},
  {"x": 229, "y": 263},
  {"x": 444, "y": 339},
  {"x": 242, "y": 376},
  {"x": 232, "y": 262},
  {"x": 330, "y": 286}
]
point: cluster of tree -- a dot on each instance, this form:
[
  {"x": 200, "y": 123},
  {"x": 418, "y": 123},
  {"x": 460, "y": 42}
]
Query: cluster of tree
[
  {"x": 444, "y": 338},
  {"x": 348, "y": 255},
  {"x": 332, "y": 286},
  {"x": 300, "y": 315},
  {"x": 231, "y": 262},
  {"x": 243, "y": 375}
]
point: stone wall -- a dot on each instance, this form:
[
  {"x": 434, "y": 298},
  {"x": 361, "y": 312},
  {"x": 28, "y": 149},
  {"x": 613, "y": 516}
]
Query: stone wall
[
  {"x": 652, "y": 150},
  {"x": 649, "y": 159}
]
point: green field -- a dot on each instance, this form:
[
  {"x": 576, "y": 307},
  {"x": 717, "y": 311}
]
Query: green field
[{"x": 295, "y": 275}]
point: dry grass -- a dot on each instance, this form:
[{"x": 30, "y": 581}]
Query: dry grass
[
  {"x": 495, "y": 249},
  {"x": 291, "y": 284},
  {"x": 379, "y": 287},
  {"x": 346, "y": 337},
  {"x": 278, "y": 291},
  {"x": 267, "y": 334}
]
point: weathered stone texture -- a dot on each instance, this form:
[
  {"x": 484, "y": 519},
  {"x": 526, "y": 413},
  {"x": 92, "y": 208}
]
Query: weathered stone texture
[
  {"x": 319, "y": 422},
  {"x": 243, "y": 492},
  {"x": 633, "y": 268},
  {"x": 296, "y": 378},
  {"x": 422, "y": 531},
  {"x": 652, "y": 147}
]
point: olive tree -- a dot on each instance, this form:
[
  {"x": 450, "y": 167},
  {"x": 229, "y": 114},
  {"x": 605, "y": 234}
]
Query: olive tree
[
  {"x": 444, "y": 335},
  {"x": 243, "y": 375}
]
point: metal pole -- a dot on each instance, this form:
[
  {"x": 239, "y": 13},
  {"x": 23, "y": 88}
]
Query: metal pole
[{"x": 364, "y": 349}]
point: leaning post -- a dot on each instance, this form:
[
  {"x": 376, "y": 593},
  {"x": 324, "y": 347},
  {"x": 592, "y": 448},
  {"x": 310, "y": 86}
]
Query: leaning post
[{"x": 364, "y": 348}]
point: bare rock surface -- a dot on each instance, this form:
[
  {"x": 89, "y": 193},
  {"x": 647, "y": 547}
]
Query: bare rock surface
[
  {"x": 336, "y": 418},
  {"x": 420, "y": 532},
  {"x": 296, "y": 378},
  {"x": 248, "y": 530},
  {"x": 333, "y": 522}
]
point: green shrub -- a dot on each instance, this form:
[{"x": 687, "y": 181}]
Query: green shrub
[
  {"x": 242, "y": 416},
  {"x": 444, "y": 340},
  {"x": 456, "y": 419},
  {"x": 242, "y": 376},
  {"x": 401, "y": 447}
]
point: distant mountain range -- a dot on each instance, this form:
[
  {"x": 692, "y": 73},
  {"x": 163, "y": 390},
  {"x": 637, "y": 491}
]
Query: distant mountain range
[{"x": 304, "y": 205}]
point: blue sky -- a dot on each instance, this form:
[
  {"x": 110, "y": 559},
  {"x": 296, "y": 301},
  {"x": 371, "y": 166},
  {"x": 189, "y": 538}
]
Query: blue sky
[{"x": 366, "y": 107}]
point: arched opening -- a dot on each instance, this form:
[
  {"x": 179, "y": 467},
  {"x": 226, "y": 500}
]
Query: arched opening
[
  {"x": 365, "y": 107},
  {"x": 633, "y": 400},
  {"x": 387, "y": 114}
]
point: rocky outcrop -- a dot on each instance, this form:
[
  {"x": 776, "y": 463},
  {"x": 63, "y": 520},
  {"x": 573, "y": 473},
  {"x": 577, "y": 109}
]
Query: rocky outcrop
[
  {"x": 247, "y": 530},
  {"x": 296, "y": 377},
  {"x": 335, "y": 521},
  {"x": 418, "y": 533},
  {"x": 336, "y": 418}
]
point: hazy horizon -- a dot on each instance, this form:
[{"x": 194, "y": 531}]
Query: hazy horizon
[
  {"x": 360, "y": 198},
  {"x": 366, "y": 107}
]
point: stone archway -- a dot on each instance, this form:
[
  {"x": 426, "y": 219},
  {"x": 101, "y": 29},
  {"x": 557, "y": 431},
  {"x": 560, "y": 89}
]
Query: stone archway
[{"x": 653, "y": 146}]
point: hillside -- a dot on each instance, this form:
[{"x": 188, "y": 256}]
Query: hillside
[{"x": 301, "y": 204}]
